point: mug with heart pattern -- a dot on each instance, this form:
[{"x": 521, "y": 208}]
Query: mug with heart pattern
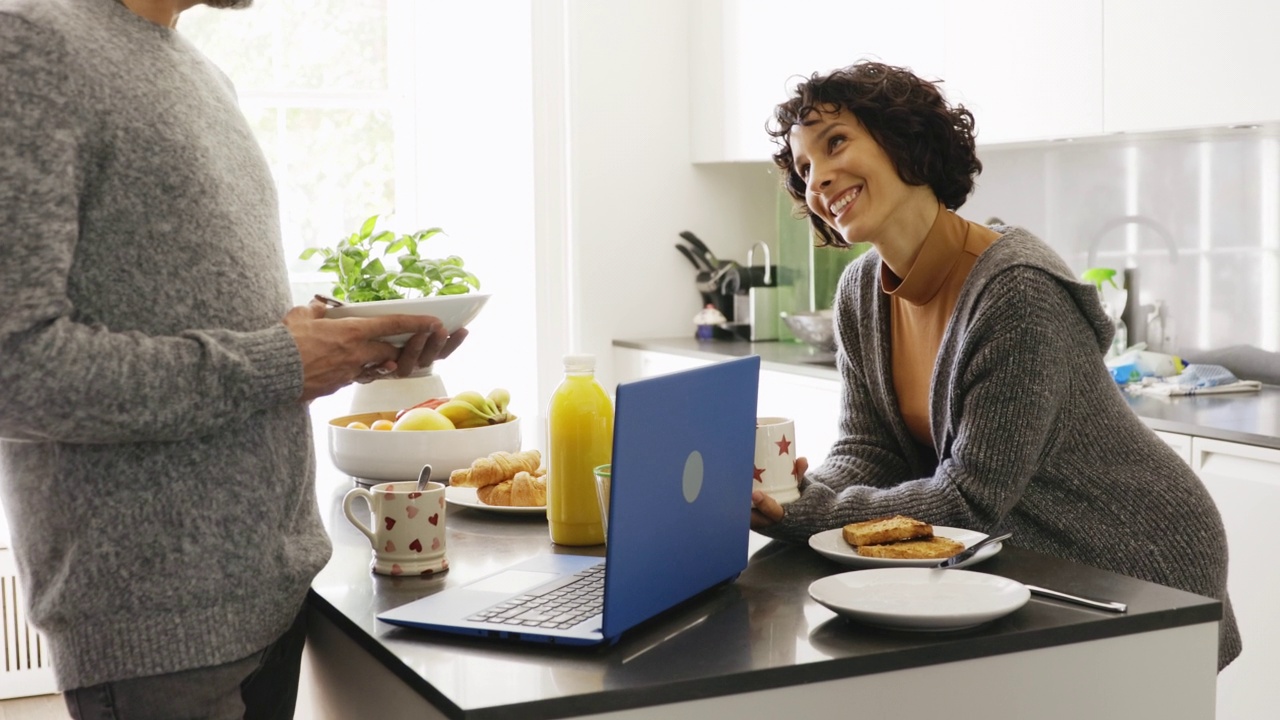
[{"x": 407, "y": 532}]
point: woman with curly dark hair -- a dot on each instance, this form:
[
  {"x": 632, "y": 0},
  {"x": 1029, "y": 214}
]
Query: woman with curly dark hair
[{"x": 973, "y": 384}]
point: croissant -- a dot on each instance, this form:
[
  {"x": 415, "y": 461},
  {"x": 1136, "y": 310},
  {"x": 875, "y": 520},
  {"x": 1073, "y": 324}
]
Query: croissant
[
  {"x": 499, "y": 494},
  {"x": 495, "y": 468},
  {"x": 528, "y": 490},
  {"x": 524, "y": 490}
]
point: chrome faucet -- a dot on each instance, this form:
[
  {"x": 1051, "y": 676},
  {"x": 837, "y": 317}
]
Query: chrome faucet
[{"x": 1123, "y": 220}]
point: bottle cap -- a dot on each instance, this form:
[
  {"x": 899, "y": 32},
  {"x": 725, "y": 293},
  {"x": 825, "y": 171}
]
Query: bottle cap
[{"x": 580, "y": 363}]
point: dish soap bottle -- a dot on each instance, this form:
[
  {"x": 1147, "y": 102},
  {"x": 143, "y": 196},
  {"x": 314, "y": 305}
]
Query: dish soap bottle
[
  {"x": 581, "y": 438},
  {"x": 1114, "y": 299}
]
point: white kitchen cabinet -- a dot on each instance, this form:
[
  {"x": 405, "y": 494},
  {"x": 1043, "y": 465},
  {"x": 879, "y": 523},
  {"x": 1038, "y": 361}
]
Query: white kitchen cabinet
[
  {"x": 1026, "y": 70},
  {"x": 812, "y": 402},
  {"x": 1173, "y": 64},
  {"x": 1244, "y": 481},
  {"x": 633, "y": 364},
  {"x": 746, "y": 54},
  {"x": 1180, "y": 443}
]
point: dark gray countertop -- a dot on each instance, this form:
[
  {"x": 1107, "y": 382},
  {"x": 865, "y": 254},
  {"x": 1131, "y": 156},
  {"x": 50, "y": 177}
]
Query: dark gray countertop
[
  {"x": 760, "y": 632},
  {"x": 1249, "y": 418}
]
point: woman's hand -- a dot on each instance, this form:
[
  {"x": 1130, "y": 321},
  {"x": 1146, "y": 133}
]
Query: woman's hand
[{"x": 766, "y": 511}]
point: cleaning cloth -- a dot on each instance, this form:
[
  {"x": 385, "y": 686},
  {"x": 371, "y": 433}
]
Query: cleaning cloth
[{"x": 1196, "y": 380}]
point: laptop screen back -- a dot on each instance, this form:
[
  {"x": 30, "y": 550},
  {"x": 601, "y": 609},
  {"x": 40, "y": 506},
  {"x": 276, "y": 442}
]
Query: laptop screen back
[{"x": 680, "y": 502}]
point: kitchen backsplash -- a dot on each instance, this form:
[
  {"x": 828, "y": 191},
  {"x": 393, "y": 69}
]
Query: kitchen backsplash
[
  {"x": 1198, "y": 216},
  {"x": 814, "y": 271}
]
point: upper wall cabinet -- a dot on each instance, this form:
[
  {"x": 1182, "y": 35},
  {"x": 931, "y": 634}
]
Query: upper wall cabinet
[
  {"x": 1027, "y": 70},
  {"x": 746, "y": 55},
  {"x": 1173, "y": 64}
]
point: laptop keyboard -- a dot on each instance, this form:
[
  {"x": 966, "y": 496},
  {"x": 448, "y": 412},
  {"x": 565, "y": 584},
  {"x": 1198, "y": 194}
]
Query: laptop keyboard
[{"x": 558, "y": 606}]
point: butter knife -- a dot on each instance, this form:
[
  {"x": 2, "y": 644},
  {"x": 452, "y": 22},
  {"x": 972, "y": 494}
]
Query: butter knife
[
  {"x": 1087, "y": 602},
  {"x": 973, "y": 549}
]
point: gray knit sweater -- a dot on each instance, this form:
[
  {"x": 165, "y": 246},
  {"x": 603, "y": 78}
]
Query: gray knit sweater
[
  {"x": 1030, "y": 432},
  {"x": 155, "y": 462}
]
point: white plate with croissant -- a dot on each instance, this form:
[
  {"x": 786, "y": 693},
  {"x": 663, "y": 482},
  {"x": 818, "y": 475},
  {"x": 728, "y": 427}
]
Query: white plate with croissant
[
  {"x": 501, "y": 482},
  {"x": 466, "y": 497}
]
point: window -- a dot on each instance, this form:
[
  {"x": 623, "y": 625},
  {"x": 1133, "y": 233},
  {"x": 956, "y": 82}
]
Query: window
[
  {"x": 315, "y": 81},
  {"x": 419, "y": 110}
]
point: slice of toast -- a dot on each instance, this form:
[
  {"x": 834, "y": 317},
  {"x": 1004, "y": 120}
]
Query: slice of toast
[
  {"x": 934, "y": 548},
  {"x": 886, "y": 530}
]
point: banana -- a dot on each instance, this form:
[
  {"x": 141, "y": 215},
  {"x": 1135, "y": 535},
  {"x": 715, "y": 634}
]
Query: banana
[
  {"x": 474, "y": 399},
  {"x": 501, "y": 397},
  {"x": 465, "y": 415}
]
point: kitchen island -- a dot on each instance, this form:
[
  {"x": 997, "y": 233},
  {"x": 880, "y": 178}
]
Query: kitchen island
[
  {"x": 758, "y": 647},
  {"x": 1231, "y": 441}
]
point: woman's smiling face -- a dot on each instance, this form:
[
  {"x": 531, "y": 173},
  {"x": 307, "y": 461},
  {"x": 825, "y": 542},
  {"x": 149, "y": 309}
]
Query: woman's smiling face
[{"x": 850, "y": 181}]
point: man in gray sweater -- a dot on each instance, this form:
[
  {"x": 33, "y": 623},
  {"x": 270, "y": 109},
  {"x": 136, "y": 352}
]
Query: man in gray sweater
[{"x": 156, "y": 459}]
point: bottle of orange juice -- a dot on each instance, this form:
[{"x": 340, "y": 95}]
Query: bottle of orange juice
[{"x": 581, "y": 438}]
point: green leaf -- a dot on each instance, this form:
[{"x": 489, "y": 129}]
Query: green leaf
[
  {"x": 414, "y": 282},
  {"x": 362, "y": 269}
]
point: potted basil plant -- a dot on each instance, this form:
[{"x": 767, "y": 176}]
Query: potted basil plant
[{"x": 373, "y": 265}]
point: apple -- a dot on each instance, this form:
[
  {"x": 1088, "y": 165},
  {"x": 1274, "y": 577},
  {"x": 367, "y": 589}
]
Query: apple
[{"x": 423, "y": 418}]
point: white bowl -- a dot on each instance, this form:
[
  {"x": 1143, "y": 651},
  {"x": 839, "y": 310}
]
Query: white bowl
[
  {"x": 455, "y": 311},
  {"x": 386, "y": 455}
]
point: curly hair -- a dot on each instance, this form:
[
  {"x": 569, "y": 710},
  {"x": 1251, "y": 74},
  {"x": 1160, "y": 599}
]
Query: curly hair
[{"x": 929, "y": 142}]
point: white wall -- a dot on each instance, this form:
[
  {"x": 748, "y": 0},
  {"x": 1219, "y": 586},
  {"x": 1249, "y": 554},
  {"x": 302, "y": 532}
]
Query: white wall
[
  {"x": 610, "y": 203},
  {"x": 474, "y": 178}
]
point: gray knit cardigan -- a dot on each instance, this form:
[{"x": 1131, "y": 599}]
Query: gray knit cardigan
[
  {"x": 156, "y": 465},
  {"x": 1030, "y": 432}
]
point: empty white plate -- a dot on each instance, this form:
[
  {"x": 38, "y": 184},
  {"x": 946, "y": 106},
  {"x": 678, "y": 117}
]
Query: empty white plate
[
  {"x": 919, "y": 598},
  {"x": 830, "y": 544}
]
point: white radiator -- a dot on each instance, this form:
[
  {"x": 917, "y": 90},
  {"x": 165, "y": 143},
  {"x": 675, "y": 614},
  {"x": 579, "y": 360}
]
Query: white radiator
[{"x": 25, "y": 668}]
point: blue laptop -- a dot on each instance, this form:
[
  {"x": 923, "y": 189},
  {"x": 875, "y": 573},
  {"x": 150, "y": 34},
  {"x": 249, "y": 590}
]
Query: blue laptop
[{"x": 683, "y": 448}]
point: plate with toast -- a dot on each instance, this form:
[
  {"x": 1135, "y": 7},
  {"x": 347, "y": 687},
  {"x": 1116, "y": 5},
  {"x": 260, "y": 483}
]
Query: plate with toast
[{"x": 898, "y": 541}]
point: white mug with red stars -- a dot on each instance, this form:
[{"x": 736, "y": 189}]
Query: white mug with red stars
[
  {"x": 407, "y": 532},
  {"x": 775, "y": 467}
]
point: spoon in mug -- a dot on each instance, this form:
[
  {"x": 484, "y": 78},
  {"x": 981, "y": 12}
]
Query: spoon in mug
[{"x": 424, "y": 477}]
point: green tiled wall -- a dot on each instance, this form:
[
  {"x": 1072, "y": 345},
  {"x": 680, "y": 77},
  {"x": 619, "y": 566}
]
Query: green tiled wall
[{"x": 807, "y": 275}]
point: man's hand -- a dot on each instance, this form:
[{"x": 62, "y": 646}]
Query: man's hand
[
  {"x": 338, "y": 352},
  {"x": 766, "y": 511}
]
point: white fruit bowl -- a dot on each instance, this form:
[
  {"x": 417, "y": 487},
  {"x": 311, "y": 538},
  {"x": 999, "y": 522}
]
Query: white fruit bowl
[
  {"x": 383, "y": 455},
  {"x": 455, "y": 311}
]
